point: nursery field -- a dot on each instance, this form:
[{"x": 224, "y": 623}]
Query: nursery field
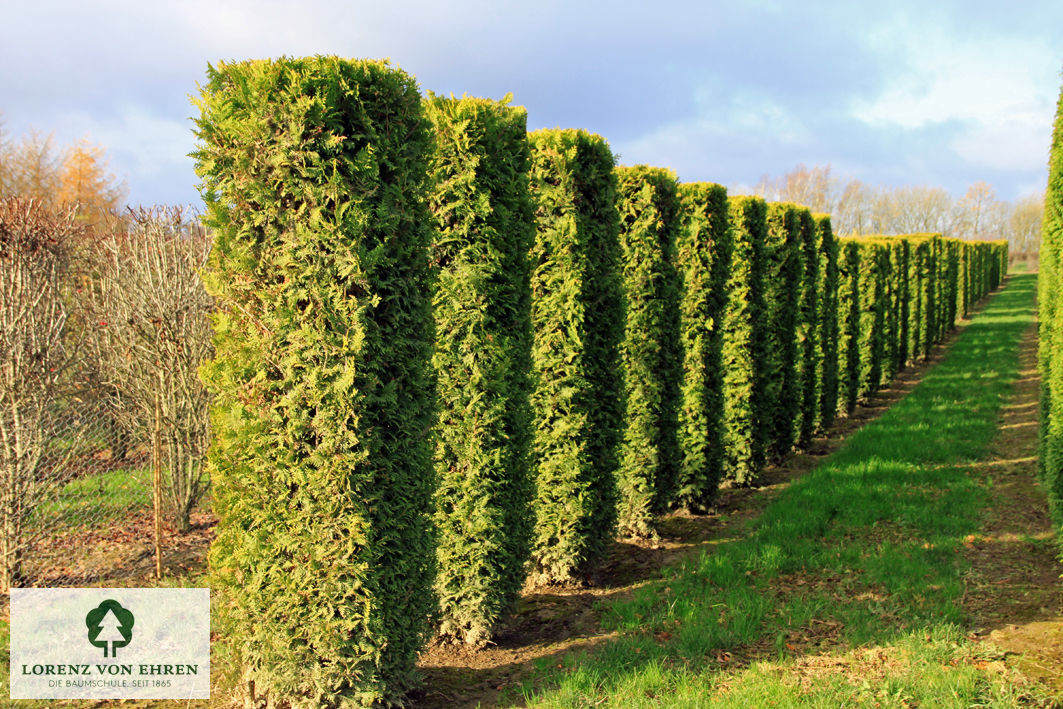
[
  {"x": 904, "y": 559},
  {"x": 485, "y": 418},
  {"x": 914, "y": 566}
]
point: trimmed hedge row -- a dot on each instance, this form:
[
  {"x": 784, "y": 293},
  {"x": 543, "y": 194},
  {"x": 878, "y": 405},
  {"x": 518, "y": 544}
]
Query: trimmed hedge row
[
  {"x": 649, "y": 210},
  {"x": 482, "y": 302},
  {"x": 577, "y": 325},
  {"x": 827, "y": 286},
  {"x": 606, "y": 343},
  {"x": 848, "y": 325},
  {"x": 746, "y": 412},
  {"x": 783, "y": 272},
  {"x": 703, "y": 259},
  {"x": 1050, "y": 347},
  {"x": 898, "y": 297},
  {"x": 314, "y": 178},
  {"x": 809, "y": 372}
]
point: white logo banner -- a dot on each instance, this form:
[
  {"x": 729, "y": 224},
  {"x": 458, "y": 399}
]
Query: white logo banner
[{"x": 110, "y": 643}]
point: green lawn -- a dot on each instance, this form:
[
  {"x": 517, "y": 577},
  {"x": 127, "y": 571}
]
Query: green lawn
[
  {"x": 847, "y": 591},
  {"x": 91, "y": 499}
]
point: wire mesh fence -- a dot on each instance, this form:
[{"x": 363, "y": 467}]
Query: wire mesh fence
[
  {"x": 103, "y": 421},
  {"x": 101, "y": 510}
]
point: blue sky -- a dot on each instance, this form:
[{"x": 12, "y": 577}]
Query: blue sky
[{"x": 941, "y": 94}]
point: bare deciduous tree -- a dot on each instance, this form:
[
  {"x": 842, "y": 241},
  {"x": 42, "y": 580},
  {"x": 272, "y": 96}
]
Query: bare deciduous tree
[
  {"x": 151, "y": 336},
  {"x": 1024, "y": 227},
  {"x": 813, "y": 187},
  {"x": 38, "y": 356}
]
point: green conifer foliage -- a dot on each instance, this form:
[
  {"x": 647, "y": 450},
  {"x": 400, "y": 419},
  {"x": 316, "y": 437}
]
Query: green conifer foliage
[
  {"x": 648, "y": 206},
  {"x": 314, "y": 178},
  {"x": 921, "y": 274},
  {"x": 874, "y": 306},
  {"x": 827, "y": 345},
  {"x": 482, "y": 357},
  {"x": 703, "y": 258},
  {"x": 782, "y": 287},
  {"x": 934, "y": 290},
  {"x": 896, "y": 294},
  {"x": 952, "y": 247},
  {"x": 964, "y": 279},
  {"x": 807, "y": 332},
  {"x": 577, "y": 326},
  {"x": 746, "y": 414},
  {"x": 1050, "y": 343},
  {"x": 848, "y": 324}
]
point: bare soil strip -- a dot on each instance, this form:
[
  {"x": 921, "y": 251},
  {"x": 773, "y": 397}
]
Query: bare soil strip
[{"x": 1013, "y": 592}]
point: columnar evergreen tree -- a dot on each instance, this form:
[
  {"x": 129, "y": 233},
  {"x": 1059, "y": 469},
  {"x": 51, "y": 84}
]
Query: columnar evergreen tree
[
  {"x": 921, "y": 295},
  {"x": 874, "y": 273},
  {"x": 482, "y": 357},
  {"x": 648, "y": 207},
  {"x": 827, "y": 281},
  {"x": 703, "y": 258},
  {"x": 904, "y": 290},
  {"x": 314, "y": 178},
  {"x": 807, "y": 332},
  {"x": 782, "y": 284},
  {"x": 962, "y": 303},
  {"x": 952, "y": 280},
  {"x": 848, "y": 324},
  {"x": 746, "y": 411},
  {"x": 895, "y": 282},
  {"x": 577, "y": 325},
  {"x": 933, "y": 310},
  {"x": 1050, "y": 344}
]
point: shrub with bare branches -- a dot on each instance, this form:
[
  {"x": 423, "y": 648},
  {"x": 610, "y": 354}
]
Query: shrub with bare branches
[
  {"x": 151, "y": 334},
  {"x": 39, "y": 356}
]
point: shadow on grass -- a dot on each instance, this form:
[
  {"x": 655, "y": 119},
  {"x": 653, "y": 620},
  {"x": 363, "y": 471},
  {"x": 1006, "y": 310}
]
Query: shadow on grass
[{"x": 864, "y": 550}]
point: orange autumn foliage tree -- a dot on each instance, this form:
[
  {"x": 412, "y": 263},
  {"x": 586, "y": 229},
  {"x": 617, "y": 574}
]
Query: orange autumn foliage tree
[
  {"x": 86, "y": 181},
  {"x": 35, "y": 167}
]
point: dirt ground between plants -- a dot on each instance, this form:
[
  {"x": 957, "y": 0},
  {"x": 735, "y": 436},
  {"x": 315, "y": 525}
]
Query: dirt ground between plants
[
  {"x": 1014, "y": 593},
  {"x": 551, "y": 621}
]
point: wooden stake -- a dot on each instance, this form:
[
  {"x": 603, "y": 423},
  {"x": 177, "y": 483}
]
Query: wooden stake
[{"x": 156, "y": 455}]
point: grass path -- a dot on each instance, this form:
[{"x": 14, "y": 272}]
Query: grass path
[{"x": 850, "y": 590}]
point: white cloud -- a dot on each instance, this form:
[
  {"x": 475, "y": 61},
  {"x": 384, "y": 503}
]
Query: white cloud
[
  {"x": 1007, "y": 143},
  {"x": 998, "y": 91}
]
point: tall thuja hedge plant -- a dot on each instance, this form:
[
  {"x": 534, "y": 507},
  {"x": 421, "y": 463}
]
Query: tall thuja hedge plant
[
  {"x": 963, "y": 280},
  {"x": 648, "y": 208},
  {"x": 807, "y": 332},
  {"x": 577, "y": 325},
  {"x": 874, "y": 310},
  {"x": 1050, "y": 316},
  {"x": 782, "y": 295},
  {"x": 314, "y": 178},
  {"x": 935, "y": 289},
  {"x": 895, "y": 331},
  {"x": 703, "y": 258},
  {"x": 848, "y": 324},
  {"x": 746, "y": 411},
  {"x": 482, "y": 307},
  {"x": 827, "y": 285},
  {"x": 953, "y": 282},
  {"x": 922, "y": 267}
]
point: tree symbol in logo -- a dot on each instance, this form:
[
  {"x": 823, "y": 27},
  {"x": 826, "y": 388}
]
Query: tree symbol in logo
[{"x": 110, "y": 624}]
